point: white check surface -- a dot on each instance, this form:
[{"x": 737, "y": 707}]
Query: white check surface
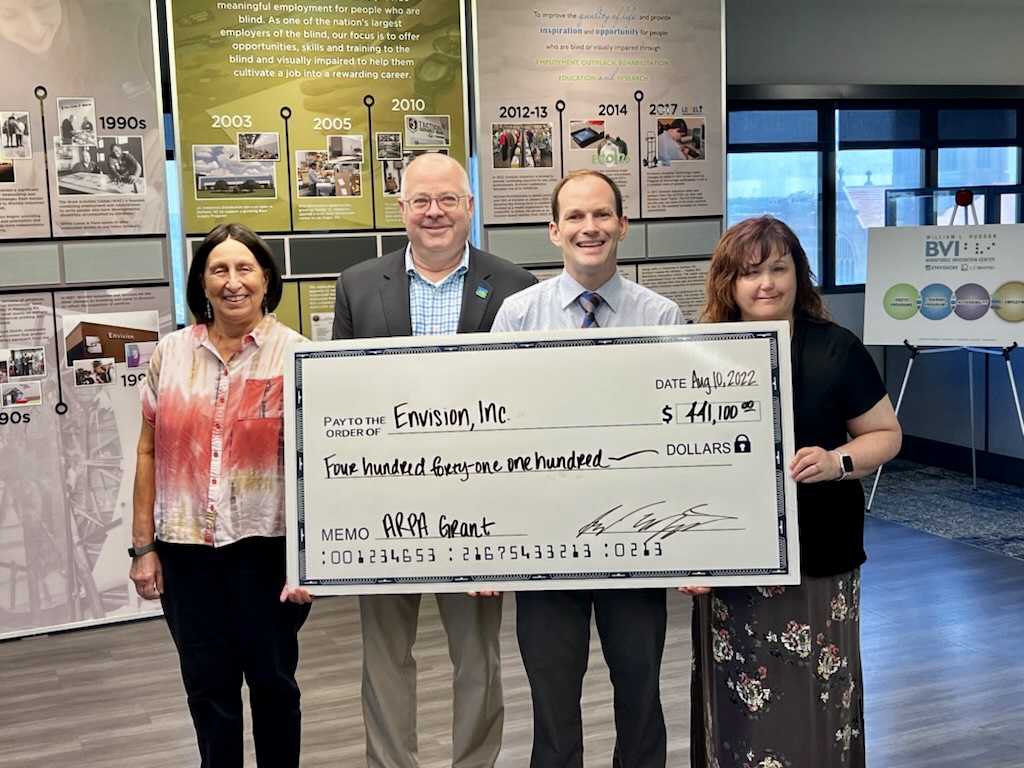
[{"x": 542, "y": 460}]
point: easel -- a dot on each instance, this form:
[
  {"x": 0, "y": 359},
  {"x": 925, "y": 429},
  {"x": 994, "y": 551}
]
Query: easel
[{"x": 964, "y": 199}]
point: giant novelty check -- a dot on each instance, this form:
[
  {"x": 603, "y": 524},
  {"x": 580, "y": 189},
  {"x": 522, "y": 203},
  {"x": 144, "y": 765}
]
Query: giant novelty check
[{"x": 629, "y": 457}]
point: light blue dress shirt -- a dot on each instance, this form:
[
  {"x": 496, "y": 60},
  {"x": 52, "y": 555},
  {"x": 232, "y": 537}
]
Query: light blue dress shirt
[
  {"x": 435, "y": 308},
  {"x": 552, "y": 305}
]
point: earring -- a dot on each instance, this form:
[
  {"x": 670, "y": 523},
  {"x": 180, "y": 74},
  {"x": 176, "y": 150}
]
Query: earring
[
  {"x": 264, "y": 303},
  {"x": 209, "y": 311}
]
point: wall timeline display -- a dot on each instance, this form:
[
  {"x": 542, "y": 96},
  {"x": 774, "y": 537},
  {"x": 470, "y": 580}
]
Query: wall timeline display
[
  {"x": 317, "y": 298},
  {"x": 942, "y": 286},
  {"x": 69, "y": 423},
  {"x": 632, "y": 90},
  {"x": 301, "y": 116},
  {"x": 307, "y": 306},
  {"x": 681, "y": 281},
  {"x": 82, "y": 150}
]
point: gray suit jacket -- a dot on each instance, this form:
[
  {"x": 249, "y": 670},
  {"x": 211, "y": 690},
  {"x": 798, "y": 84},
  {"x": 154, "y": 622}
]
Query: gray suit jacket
[{"x": 372, "y": 297}]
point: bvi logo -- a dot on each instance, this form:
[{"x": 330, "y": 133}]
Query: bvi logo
[{"x": 941, "y": 248}]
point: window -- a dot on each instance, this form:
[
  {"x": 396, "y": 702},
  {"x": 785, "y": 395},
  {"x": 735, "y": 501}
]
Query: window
[
  {"x": 774, "y": 167},
  {"x": 974, "y": 166},
  {"x": 786, "y": 185},
  {"x": 862, "y": 177},
  {"x": 824, "y": 165}
]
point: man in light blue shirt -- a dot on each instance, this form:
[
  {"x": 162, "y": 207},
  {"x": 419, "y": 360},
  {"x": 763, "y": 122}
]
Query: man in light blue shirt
[{"x": 553, "y": 627}]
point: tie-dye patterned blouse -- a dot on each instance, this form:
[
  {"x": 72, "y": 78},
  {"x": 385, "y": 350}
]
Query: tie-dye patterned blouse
[{"x": 219, "y": 435}]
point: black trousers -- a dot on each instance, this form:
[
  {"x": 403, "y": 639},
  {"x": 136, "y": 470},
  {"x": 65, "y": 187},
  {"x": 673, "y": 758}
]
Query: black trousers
[
  {"x": 223, "y": 610},
  {"x": 553, "y": 629}
]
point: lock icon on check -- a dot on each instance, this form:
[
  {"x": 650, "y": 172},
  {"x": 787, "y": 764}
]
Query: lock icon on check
[{"x": 742, "y": 444}]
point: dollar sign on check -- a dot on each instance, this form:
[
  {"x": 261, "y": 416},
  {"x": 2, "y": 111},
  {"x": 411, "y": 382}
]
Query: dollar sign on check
[{"x": 666, "y": 414}]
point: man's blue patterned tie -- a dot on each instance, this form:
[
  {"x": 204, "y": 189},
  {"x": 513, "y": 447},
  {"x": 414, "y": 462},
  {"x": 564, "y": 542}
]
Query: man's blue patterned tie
[{"x": 590, "y": 302}]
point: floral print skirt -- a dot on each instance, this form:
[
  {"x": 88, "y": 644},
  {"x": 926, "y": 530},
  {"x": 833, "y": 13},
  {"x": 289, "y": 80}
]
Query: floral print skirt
[{"x": 777, "y": 677}]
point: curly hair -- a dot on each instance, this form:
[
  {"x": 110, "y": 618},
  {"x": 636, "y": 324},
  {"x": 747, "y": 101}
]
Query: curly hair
[{"x": 751, "y": 242}]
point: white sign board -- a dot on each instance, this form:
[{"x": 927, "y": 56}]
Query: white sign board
[{"x": 945, "y": 286}]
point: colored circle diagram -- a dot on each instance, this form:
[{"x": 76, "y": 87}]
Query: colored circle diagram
[
  {"x": 1008, "y": 301},
  {"x": 936, "y": 301},
  {"x": 968, "y": 302},
  {"x": 902, "y": 301},
  {"x": 972, "y": 301}
]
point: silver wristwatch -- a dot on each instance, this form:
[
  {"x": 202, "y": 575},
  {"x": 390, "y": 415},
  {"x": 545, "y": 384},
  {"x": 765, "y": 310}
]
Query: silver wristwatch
[{"x": 846, "y": 462}]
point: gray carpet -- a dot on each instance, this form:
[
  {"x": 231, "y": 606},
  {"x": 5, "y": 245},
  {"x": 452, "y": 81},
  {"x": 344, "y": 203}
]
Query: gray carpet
[{"x": 945, "y": 503}]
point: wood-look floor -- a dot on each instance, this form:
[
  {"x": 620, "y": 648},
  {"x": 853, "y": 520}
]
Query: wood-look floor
[{"x": 943, "y": 639}]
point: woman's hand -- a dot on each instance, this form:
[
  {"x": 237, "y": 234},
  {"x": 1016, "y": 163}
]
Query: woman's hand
[
  {"x": 298, "y": 595},
  {"x": 875, "y": 438},
  {"x": 814, "y": 464},
  {"x": 148, "y": 575}
]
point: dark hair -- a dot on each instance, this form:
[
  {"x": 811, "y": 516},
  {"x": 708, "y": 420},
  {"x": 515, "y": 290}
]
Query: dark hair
[
  {"x": 195, "y": 296},
  {"x": 752, "y": 241},
  {"x": 679, "y": 124},
  {"x": 580, "y": 174}
]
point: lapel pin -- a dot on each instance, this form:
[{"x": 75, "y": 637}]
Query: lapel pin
[{"x": 482, "y": 292}]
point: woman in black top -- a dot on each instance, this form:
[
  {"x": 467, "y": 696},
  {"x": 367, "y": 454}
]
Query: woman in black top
[{"x": 777, "y": 679}]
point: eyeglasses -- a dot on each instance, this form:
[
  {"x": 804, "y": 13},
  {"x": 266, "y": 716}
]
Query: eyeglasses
[{"x": 445, "y": 203}]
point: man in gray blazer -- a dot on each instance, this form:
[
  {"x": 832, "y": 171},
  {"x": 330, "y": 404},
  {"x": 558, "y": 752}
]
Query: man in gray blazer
[{"x": 439, "y": 284}]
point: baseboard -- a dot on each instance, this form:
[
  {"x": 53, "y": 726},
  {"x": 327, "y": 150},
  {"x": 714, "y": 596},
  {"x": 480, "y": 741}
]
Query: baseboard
[{"x": 992, "y": 466}]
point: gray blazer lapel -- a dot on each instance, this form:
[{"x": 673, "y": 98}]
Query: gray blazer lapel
[{"x": 476, "y": 295}]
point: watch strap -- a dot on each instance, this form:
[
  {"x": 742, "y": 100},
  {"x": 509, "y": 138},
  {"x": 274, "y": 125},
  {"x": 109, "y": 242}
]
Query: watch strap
[{"x": 134, "y": 552}]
